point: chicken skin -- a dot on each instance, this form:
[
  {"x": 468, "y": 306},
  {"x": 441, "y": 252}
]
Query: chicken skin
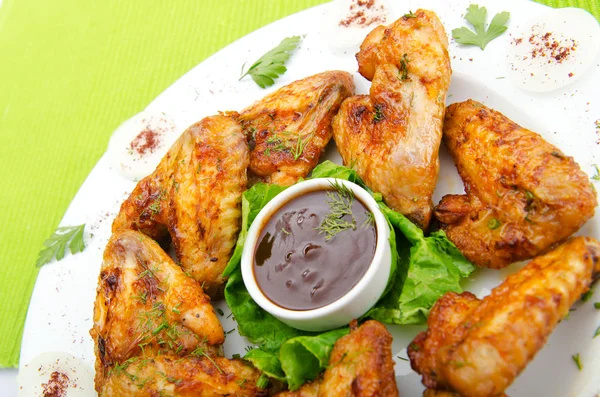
[
  {"x": 392, "y": 136},
  {"x": 360, "y": 365},
  {"x": 523, "y": 195},
  {"x": 195, "y": 196},
  {"x": 183, "y": 377},
  {"x": 289, "y": 129},
  {"x": 146, "y": 306},
  {"x": 478, "y": 347}
]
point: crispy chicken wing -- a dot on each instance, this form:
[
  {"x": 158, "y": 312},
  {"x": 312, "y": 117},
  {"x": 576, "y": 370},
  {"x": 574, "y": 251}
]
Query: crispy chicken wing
[
  {"x": 182, "y": 377},
  {"x": 392, "y": 137},
  {"x": 523, "y": 196},
  {"x": 146, "y": 306},
  {"x": 477, "y": 348},
  {"x": 289, "y": 128},
  {"x": 360, "y": 365},
  {"x": 195, "y": 195}
]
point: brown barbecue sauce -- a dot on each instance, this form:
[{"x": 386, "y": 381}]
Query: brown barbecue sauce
[{"x": 297, "y": 268}]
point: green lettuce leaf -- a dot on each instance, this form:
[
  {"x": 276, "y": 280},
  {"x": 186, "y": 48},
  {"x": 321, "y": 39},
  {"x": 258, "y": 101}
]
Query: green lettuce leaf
[
  {"x": 423, "y": 269},
  {"x": 253, "y": 200},
  {"x": 428, "y": 268},
  {"x": 304, "y": 357}
]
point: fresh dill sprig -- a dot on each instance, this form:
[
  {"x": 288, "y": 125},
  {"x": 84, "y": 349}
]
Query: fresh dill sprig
[
  {"x": 300, "y": 145},
  {"x": 199, "y": 352},
  {"x": 340, "y": 204},
  {"x": 370, "y": 221}
]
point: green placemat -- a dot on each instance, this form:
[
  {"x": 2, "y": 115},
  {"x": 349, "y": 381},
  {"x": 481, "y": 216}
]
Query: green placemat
[{"x": 71, "y": 71}]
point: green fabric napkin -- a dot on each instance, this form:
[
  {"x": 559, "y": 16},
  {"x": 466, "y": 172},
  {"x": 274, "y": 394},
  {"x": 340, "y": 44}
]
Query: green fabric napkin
[{"x": 71, "y": 72}]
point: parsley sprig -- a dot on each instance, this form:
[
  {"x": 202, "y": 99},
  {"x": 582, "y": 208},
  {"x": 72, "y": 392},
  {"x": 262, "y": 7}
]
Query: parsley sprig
[
  {"x": 477, "y": 16},
  {"x": 272, "y": 64},
  {"x": 56, "y": 245}
]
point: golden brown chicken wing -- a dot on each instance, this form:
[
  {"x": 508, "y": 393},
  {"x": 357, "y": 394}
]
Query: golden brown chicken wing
[
  {"x": 477, "y": 348},
  {"x": 392, "y": 137},
  {"x": 360, "y": 365},
  {"x": 523, "y": 195},
  {"x": 182, "y": 377},
  {"x": 146, "y": 306},
  {"x": 195, "y": 197},
  {"x": 289, "y": 128}
]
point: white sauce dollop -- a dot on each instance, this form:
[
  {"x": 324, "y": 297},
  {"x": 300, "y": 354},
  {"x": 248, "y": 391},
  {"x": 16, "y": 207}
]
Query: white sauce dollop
[
  {"x": 76, "y": 376},
  {"x": 553, "y": 50},
  {"x": 342, "y": 28},
  {"x": 129, "y": 147}
]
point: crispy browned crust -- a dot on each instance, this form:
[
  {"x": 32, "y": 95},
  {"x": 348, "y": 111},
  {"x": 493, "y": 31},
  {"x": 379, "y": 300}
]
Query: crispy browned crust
[
  {"x": 477, "y": 348},
  {"x": 146, "y": 306},
  {"x": 183, "y": 377},
  {"x": 392, "y": 136},
  {"x": 195, "y": 195},
  {"x": 538, "y": 195},
  {"x": 360, "y": 365},
  {"x": 289, "y": 128}
]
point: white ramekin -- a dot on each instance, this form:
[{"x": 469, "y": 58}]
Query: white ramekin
[{"x": 358, "y": 300}]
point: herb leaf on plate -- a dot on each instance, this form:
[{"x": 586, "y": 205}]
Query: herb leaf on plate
[
  {"x": 56, "y": 245},
  {"x": 477, "y": 16},
  {"x": 272, "y": 64}
]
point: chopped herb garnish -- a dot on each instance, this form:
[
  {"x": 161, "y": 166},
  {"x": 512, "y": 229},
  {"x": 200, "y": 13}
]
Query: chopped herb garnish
[
  {"x": 404, "y": 67},
  {"x": 402, "y": 358},
  {"x": 493, "y": 224},
  {"x": 219, "y": 311},
  {"x": 200, "y": 352},
  {"x": 597, "y": 305},
  {"x": 588, "y": 295},
  {"x": 56, "y": 245},
  {"x": 271, "y": 65},
  {"x": 409, "y": 15},
  {"x": 300, "y": 145},
  {"x": 176, "y": 308},
  {"x": 577, "y": 361},
  {"x": 596, "y": 176},
  {"x": 529, "y": 196},
  {"x": 142, "y": 296},
  {"x": 477, "y": 17},
  {"x": 378, "y": 113},
  {"x": 160, "y": 328},
  {"x": 597, "y": 332},
  {"x": 557, "y": 154}
]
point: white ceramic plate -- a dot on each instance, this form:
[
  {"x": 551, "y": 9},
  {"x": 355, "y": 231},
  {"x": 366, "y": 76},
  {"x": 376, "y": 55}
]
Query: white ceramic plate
[{"x": 60, "y": 313}]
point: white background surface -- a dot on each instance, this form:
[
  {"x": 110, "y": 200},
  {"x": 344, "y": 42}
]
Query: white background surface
[{"x": 70, "y": 284}]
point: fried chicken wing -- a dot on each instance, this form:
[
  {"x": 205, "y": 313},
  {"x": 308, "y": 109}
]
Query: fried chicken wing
[
  {"x": 477, "y": 348},
  {"x": 392, "y": 137},
  {"x": 183, "y": 377},
  {"x": 146, "y": 306},
  {"x": 360, "y": 365},
  {"x": 289, "y": 128},
  {"x": 523, "y": 195},
  {"x": 195, "y": 195}
]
